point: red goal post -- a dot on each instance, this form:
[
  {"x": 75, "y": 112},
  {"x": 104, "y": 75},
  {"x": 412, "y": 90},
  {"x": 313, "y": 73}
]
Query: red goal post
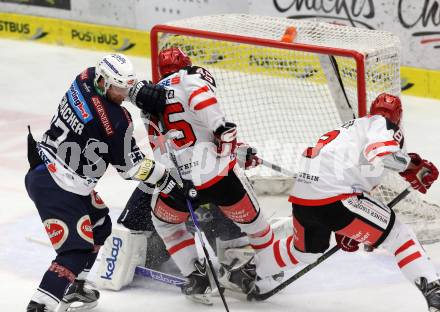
[{"x": 357, "y": 56}]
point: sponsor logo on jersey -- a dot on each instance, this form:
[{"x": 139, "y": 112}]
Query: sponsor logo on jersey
[
  {"x": 175, "y": 80},
  {"x": 170, "y": 81},
  {"x": 85, "y": 229},
  {"x": 97, "y": 201},
  {"x": 111, "y": 261},
  {"x": 165, "y": 83},
  {"x": 307, "y": 176},
  {"x": 84, "y": 75},
  {"x": 57, "y": 231},
  {"x": 103, "y": 117},
  {"x": 78, "y": 103}
]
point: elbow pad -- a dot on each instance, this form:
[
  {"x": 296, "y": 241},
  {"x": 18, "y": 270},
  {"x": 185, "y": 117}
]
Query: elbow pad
[
  {"x": 149, "y": 171},
  {"x": 396, "y": 161}
]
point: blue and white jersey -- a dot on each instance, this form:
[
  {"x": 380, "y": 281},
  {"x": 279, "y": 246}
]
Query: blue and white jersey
[{"x": 86, "y": 134}]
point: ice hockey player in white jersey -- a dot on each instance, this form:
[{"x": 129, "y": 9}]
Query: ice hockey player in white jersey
[
  {"x": 205, "y": 156},
  {"x": 331, "y": 194}
]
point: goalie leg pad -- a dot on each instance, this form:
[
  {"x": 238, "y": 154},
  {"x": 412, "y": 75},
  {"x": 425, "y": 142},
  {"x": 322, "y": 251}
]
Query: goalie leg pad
[
  {"x": 179, "y": 242},
  {"x": 410, "y": 256},
  {"x": 122, "y": 252}
]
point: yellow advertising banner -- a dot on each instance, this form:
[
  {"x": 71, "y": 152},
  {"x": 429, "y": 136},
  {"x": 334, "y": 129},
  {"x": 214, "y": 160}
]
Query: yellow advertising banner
[
  {"x": 420, "y": 82},
  {"x": 415, "y": 81},
  {"x": 75, "y": 34}
]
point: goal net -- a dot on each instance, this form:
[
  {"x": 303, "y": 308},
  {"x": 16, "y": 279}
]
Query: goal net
[{"x": 284, "y": 95}]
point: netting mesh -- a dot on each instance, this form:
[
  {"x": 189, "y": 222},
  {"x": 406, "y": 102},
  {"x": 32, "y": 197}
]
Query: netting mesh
[{"x": 283, "y": 100}]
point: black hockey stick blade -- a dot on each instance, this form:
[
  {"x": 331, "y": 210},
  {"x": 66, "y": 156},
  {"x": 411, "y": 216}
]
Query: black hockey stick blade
[{"x": 326, "y": 255}]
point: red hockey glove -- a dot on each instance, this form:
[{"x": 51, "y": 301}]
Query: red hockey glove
[
  {"x": 346, "y": 243},
  {"x": 420, "y": 173},
  {"x": 226, "y": 139},
  {"x": 247, "y": 156}
]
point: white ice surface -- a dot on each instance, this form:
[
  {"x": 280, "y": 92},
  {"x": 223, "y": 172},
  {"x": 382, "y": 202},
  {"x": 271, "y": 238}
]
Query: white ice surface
[{"x": 33, "y": 79}]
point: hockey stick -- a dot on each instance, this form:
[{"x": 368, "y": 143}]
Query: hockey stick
[
  {"x": 193, "y": 193},
  {"x": 325, "y": 256},
  {"x": 276, "y": 168},
  {"x": 162, "y": 277}
]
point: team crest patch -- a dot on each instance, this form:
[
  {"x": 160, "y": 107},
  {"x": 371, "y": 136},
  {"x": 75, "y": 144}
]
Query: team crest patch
[
  {"x": 52, "y": 167},
  {"x": 85, "y": 229},
  {"x": 97, "y": 201},
  {"x": 57, "y": 231}
]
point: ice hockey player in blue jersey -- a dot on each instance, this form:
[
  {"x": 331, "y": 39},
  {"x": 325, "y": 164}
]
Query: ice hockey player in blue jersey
[{"x": 89, "y": 131}]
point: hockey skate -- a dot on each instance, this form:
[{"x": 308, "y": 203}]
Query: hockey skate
[
  {"x": 198, "y": 287},
  {"x": 77, "y": 297},
  {"x": 431, "y": 291},
  {"x": 240, "y": 277},
  {"x": 36, "y": 307}
]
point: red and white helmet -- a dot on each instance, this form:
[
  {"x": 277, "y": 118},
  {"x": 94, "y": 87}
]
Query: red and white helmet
[
  {"x": 172, "y": 60},
  {"x": 116, "y": 70},
  {"x": 389, "y": 106}
]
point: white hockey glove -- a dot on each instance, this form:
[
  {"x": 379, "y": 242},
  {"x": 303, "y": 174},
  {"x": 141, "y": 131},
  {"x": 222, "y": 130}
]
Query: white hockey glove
[
  {"x": 247, "y": 156},
  {"x": 226, "y": 139}
]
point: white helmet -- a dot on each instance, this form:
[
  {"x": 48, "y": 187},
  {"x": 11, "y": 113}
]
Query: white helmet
[{"x": 117, "y": 70}]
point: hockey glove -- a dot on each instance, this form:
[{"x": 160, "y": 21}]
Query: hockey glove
[
  {"x": 149, "y": 97},
  {"x": 226, "y": 139},
  {"x": 169, "y": 186},
  {"x": 346, "y": 243},
  {"x": 247, "y": 156},
  {"x": 420, "y": 173}
]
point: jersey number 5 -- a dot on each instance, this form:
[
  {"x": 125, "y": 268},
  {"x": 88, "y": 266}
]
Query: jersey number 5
[
  {"x": 189, "y": 138},
  {"x": 312, "y": 152}
]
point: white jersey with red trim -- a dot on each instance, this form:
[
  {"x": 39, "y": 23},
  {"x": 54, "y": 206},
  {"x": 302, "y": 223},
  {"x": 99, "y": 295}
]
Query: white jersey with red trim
[
  {"x": 347, "y": 160},
  {"x": 192, "y": 109}
]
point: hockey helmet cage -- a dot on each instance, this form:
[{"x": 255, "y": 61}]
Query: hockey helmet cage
[
  {"x": 172, "y": 60},
  {"x": 116, "y": 70},
  {"x": 389, "y": 106}
]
